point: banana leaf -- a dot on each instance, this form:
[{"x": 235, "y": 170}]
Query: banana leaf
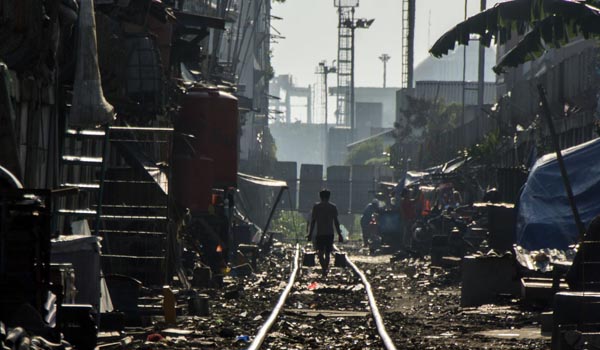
[{"x": 547, "y": 24}]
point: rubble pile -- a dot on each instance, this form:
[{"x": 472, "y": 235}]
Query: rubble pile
[
  {"x": 237, "y": 309},
  {"x": 421, "y": 306},
  {"x": 19, "y": 339}
]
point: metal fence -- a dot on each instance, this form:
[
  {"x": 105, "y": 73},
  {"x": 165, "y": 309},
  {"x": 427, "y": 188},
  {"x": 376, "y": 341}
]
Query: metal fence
[{"x": 352, "y": 187}]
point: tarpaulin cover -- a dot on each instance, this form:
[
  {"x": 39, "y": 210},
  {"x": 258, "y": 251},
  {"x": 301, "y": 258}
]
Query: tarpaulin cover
[
  {"x": 449, "y": 167},
  {"x": 84, "y": 253},
  {"x": 414, "y": 176},
  {"x": 544, "y": 218},
  {"x": 7, "y": 178},
  {"x": 257, "y": 196}
]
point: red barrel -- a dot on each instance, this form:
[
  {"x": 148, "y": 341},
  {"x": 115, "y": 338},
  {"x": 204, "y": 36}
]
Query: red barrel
[
  {"x": 212, "y": 117},
  {"x": 192, "y": 182}
]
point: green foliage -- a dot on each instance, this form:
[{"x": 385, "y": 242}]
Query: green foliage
[
  {"x": 269, "y": 70},
  {"x": 434, "y": 117},
  {"x": 364, "y": 152},
  {"x": 355, "y": 230},
  {"x": 378, "y": 161},
  {"x": 446, "y": 118},
  {"x": 423, "y": 120},
  {"x": 267, "y": 144},
  {"x": 290, "y": 223},
  {"x": 486, "y": 151},
  {"x": 293, "y": 225},
  {"x": 262, "y": 158}
]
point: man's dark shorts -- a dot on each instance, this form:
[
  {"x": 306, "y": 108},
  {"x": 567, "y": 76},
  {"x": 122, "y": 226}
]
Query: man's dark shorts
[{"x": 324, "y": 243}]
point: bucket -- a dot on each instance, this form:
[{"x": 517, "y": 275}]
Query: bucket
[
  {"x": 308, "y": 259},
  {"x": 198, "y": 305},
  {"x": 340, "y": 259}
]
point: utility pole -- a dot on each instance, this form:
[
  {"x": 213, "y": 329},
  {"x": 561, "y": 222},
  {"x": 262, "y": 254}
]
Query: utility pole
[
  {"x": 481, "y": 79},
  {"x": 408, "y": 42},
  {"x": 561, "y": 163},
  {"x": 384, "y": 58},
  {"x": 325, "y": 70},
  {"x": 464, "y": 78}
]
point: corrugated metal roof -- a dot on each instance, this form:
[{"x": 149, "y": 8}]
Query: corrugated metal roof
[{"x": 451, "y": 91}]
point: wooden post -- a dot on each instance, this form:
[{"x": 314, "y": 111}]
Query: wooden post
[
  {"x": 559, "y": 158},
  {"x": 266, "y": 228}
]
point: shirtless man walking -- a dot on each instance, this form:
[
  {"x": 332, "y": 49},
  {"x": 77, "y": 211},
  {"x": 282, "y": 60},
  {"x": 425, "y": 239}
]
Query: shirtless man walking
[{"x": 325, "y": 216}]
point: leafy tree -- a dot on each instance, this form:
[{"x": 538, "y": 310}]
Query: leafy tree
[
  {"x": 545, "y": 24},
  {"x": 365, "y": 152},
  {"x": 263, "y": 157},
  {"x": 414, "y": 116},
  {"x": 445, "y": 119},
  {"x": 426, "y": 120},
  {"x": 382, "y": 160},
  {"x": 432, "y": 117},
  {"x": 487, "y": 150}
]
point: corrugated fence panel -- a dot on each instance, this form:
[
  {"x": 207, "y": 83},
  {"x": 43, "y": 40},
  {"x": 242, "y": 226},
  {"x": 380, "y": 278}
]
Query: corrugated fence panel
[
  {"x": 288, "y": 172},
  {"x": 338, "y": 182},
  {"x": 311, "y": 182},
  {"x": 363, "y": 186}
]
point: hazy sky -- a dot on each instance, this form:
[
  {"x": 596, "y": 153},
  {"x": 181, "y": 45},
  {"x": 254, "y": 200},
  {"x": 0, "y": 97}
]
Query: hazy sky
[{"x": 310, "y": 28}]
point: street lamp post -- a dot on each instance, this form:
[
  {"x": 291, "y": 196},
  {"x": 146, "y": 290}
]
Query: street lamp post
[
  {"x": 384, "y": 58},
  {"x": 353, "y": 24}
]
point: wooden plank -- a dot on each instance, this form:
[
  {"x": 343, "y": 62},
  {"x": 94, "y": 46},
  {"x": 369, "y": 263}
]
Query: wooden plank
[{"x": 326, "y": 313}]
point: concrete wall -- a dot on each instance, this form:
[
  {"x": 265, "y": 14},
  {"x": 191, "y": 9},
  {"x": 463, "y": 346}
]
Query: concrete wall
[
  {"x": 302, "y": 143},
  {"x": 385, "y": 96},
  {"x": 369, "y": 117},
  {"x": 339, "y": 138}
]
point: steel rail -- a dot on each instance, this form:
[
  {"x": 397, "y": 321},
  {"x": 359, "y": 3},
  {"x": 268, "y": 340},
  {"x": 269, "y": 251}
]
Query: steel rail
[
  {"x": 387, "y": 341},
  {"x": 264, "y": 330}
]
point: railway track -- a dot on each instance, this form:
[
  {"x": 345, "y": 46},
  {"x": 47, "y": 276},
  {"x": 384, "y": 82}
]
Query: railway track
[{"x": 337, "y": 312}]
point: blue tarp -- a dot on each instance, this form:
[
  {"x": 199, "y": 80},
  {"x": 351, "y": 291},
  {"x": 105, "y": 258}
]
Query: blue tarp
[{"x": 544, "y": 217}]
